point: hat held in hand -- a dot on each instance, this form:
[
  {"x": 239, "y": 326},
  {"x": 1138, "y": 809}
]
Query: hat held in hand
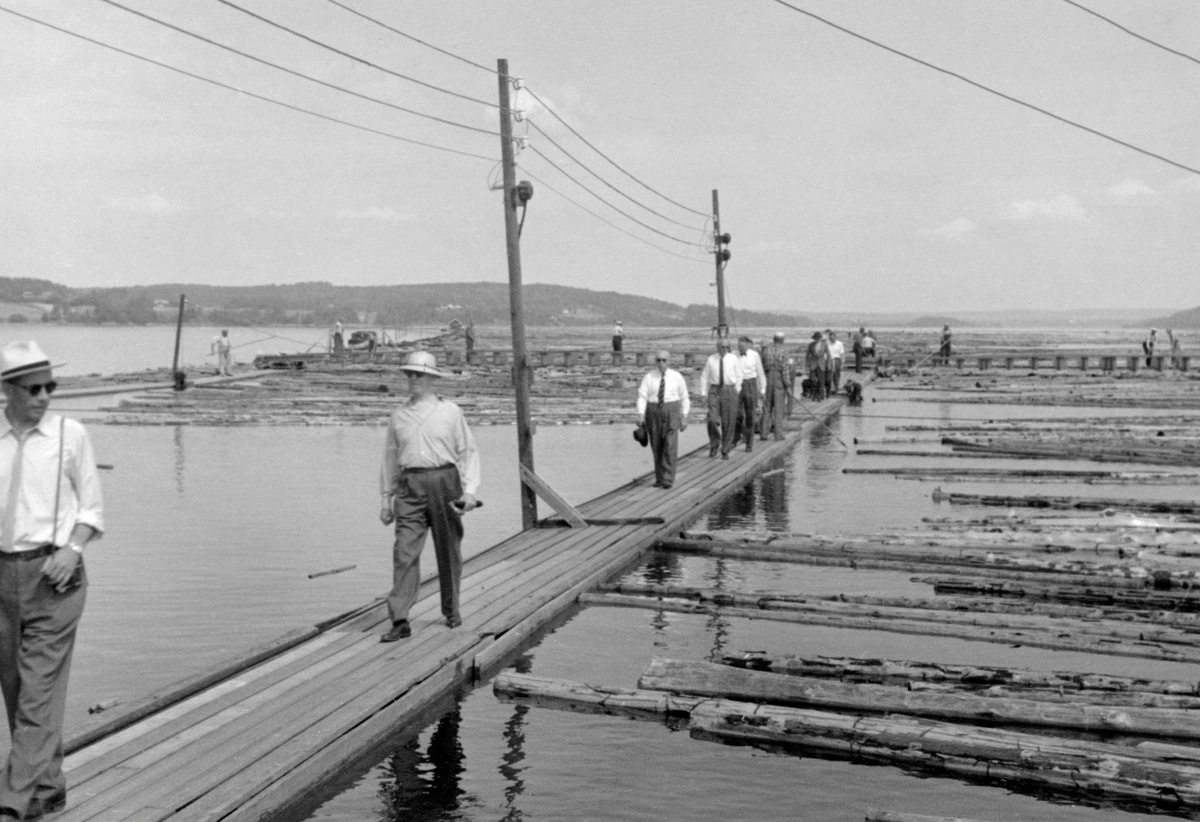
[{"x": 641, "y": 436}]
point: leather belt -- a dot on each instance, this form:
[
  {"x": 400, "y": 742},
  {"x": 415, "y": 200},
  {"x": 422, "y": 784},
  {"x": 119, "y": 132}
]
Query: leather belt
[{"x": 33, "y": 553}]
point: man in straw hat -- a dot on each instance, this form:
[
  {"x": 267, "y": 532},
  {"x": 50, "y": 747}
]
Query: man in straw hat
[
  {"x": 428, "y": 481},
  {"x": 50, "y": 508}
]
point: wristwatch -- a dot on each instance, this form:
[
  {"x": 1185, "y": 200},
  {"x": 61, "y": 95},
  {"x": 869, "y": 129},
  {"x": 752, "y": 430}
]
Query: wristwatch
[{"x": 76, "y": 547}]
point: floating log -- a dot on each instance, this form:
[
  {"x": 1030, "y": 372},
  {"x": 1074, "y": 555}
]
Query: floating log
[
  {"x": 1080, "y": 595},
  {"x": 895, "y": 816},
  {"x": 1085, "y": 687},
  {"x": 1033, "y": 638},
  {"x": 708, "y": 679},
  {"x": 1147, "y": 450},
  {"x": 1076, "y": 768},
  {"x": 1127, "y": 574},
  {"x": 1033, "y": 474},
  {"x": 1078, "y": 503}
]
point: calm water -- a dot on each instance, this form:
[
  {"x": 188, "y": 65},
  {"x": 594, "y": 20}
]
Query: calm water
[{"x": 212, "y": 533}]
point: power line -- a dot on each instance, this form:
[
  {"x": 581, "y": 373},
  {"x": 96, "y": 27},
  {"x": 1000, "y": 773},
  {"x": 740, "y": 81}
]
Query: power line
[
  {"x": 1131, "y": 33},
  {"x": 294, "y": 73},
  {"x": 355, "y": 58},
  {"x": 610, "y": 160},
  {"x": 625, "y": 214},
  {"x": 601, "y": 179},
  {"x": 609, "y": 222},
  {"x": 219, "y": 84},
  {"x": 410, "y": 37},
  {"x": 989, "y": 90}
]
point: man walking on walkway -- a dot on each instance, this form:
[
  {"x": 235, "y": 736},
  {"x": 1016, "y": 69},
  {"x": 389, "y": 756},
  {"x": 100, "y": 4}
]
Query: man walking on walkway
[
  {"x": 777, "y": 367},
  {"x": 837, "y": 353},
  {"x": 51, "y": 509},
  {"x": 720, "y": 383},
  {"x": 223, "y": 348},
  {"x": 428, "y": 480},
  {"x": 754, "y": 385},
  {"x": 663, "y": 404}
]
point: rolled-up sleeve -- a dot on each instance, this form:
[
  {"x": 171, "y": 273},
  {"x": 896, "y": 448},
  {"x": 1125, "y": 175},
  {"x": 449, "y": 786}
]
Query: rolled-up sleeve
[
  {"x": 468, "y": 457},
  {"x": 86, "y": 480},
  {"x": 387, "y": 470}
]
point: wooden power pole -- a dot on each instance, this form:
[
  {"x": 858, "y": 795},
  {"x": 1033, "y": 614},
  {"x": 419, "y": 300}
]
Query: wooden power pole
[
  {"x": 520, "y": 367},
  {"x": 720, "y": 241}
]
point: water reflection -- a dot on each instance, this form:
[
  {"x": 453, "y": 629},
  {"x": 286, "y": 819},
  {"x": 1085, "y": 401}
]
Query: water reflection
[
  {"x": 734, "y": 511},
  {"x": 775, "y": 500},
  {"x": 514, "y": 749},
  {"x": 426, "y": 786},
  {"x": 178, "y": 451}
]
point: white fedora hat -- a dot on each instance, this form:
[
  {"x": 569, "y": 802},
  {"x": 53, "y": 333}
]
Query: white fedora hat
[
  {"x": 23, "y": 357},
  {"x": 421, "y": 362}
]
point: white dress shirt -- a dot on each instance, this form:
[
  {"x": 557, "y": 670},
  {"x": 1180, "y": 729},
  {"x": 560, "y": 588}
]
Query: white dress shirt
[
  {"x": 429, "y": 435},
  {"x": 837, "y": 350},
  {"x": 752, "y": 369},
  {"x": 676, "y": 391},
  {"x": 711, "y": 373},
  {"x": 30, "y": 483}
]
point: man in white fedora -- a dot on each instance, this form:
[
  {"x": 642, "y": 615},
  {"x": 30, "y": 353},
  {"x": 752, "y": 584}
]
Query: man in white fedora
[
  {"x": 50, "y": 508},
  {"x": 429, "y": 479}
]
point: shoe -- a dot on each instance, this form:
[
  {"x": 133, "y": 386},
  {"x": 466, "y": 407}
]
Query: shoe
[
  {"x": 666, "y": 486},
  {"x": 39, "y": 807},
  {"x": 749, "y": 448},
  {"x": 453, "y": 621},
  {"x": 712, "y": 452},
  {"x": 724, "y": 456},
  {"x": 399, "y": 630}
]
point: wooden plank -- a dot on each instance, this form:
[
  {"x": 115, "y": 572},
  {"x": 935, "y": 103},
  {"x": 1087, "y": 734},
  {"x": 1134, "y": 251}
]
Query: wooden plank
[{"x": 560, "y": 505}]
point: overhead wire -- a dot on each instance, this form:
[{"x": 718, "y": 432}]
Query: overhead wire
[
  {"x": 989, "y": 90},
  {"x": 611, "y": 161},
  {"x": 625, "y": 214},
  {"x": 1130, "y": 32},
  {"x": 411, "y": 37},
  {"x": 238, "y": 90},
  {"x": 609, "y": 222},
  {"x": 355, "y": 57},
  {"x": 300, "y": 74},
  {"x": 584, "y": 166}
]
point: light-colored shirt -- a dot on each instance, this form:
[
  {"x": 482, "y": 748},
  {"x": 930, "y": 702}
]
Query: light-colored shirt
[
  {"x": 618, "y": 331},
  {"x": 752, "y": 369},
  {"x": 222, "y": 344},
  {"x": 428, "y": 435},
  {"x": 676, "y": 391},
  {"x": 710, "y": 375},
  {"x": 837, "y": 350},
  {"x": 30, "y": 480}
]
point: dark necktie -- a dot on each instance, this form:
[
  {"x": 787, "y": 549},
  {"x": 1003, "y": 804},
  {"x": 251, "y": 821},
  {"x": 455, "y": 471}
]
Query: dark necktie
[
  {"x": 721, "y": 371},
  {"x": 662, "y": 389}
]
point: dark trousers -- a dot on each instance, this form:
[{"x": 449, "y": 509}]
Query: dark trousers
[
  {"x": 662, "y": 427},
  {"x": 858, "y": 355},
  {"x": 817, "y": 380},
  {"x": 37, "y": 637},
  {"x": 747, "y": 402},
  {"x": 774, "y": 405},
  {"x": 722, "y": 417},
  {"x": 422, "y": 503},
  {"x": 618, "y": 340}
]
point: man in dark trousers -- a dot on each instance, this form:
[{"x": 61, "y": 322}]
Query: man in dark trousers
[
  {"x": 721, "y": 383},
  {"x": 663, "y": 404},
  {"x": 428, "y": 480},
  {"x": 50, "y": 508},
  {"x": 777, "y": 365}
]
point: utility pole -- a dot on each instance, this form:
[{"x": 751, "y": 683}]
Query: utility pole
[
  {"x": 721, "y": 253},
  {"x": 178, "y": 376},
  {"x": 520, "y": 367}
]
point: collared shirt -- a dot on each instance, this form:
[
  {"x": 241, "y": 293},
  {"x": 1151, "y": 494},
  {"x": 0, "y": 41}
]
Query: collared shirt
[
  {"x": 837, "y": 350},
  {"x": 30, "y": 481},
  {"x": 752, "y": 369},
  {"x": 775, "y": 357},
  {"x": 711, "y": 374},
  {"x": 429, "y": 435},
  {"x": 618, "y": 331},
  {"x": 675, "y": 391}
]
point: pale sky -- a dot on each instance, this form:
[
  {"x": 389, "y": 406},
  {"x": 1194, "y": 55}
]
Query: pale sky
[{"x": 851, "y": 179}]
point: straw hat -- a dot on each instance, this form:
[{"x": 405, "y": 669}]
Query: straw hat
[
  {"x": 421, "y": 362},
  {"x": 23, "y": 357}
]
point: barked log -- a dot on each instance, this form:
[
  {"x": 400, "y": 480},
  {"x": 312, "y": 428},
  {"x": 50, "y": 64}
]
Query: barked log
[
  {"x": 1033, "y": 475},
  {"x": 1105, "y": 596},
  {"x": 847, "y": 556},
  {"x": 1076, "y": 768},
  {"x": 1074, "y": 503},
  {"x": 1187, "y": 622},
  {"x": 1149, "y": 453},
  {"x": 983, "y": 680},
  {"x": 1053, "y": 640},
  {"x": 896, "y": 816},
  {"x": 708, "y": 679}
]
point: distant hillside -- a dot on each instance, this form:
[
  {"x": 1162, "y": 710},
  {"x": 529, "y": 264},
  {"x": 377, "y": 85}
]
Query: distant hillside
[
  {"x": 1180, "y": 319},
  {"x": 322, "y": 303},
  {"x": 934, "y": 321}
]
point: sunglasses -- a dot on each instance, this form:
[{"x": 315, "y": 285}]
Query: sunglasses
[
  {"x": 660, "y": 359},
  {"x": 35, "y": 390}
]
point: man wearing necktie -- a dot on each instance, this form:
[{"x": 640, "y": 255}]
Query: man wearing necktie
[
  {"x": 720, "y": 383},
  {"x": 663, "y": 404}
]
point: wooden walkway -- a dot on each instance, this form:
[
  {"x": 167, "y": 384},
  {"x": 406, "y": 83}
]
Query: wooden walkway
[{"x": 251, "y": 738}]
